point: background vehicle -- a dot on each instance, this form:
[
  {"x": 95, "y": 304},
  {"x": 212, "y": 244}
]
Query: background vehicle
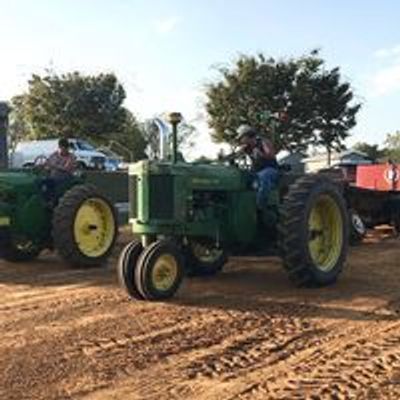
[
  {"x": 191, "y": 216},
  {"x": 26, "y": 153},
  {"x": 373, "y": 195},
  {"x": 113, "y": 162}
]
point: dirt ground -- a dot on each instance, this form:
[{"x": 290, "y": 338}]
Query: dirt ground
[{"x": 245, "y": 334}]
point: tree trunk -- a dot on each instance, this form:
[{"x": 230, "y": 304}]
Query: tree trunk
[
  {"x": 329, "y": 154},
  {"x": 4, "y": 110}
]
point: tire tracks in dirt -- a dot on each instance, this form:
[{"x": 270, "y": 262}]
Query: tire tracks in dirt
[
  {"x": 351, "y": 365},
  {"x": 258, "y": 361}
]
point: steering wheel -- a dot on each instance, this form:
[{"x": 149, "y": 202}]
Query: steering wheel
[{"x": 40, "y": 161}]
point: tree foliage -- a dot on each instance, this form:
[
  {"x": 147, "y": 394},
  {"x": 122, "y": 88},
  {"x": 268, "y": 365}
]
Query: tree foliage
[
  {"x": 373, "y": 151},
  {"x": 77, "y": 105},
  {"x": 313, "y": 104},
  {"x": 72, "y": 105},
  {"x": 130, "y": 141},
  {"x": 392, "y": 143}
]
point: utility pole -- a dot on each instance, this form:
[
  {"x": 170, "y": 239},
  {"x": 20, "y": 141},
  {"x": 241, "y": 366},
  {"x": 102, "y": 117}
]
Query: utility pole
[{"x": 4, "y": 111}]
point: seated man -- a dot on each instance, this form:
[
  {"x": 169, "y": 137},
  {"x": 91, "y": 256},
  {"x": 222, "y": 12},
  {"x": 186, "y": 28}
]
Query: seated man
[
  {"x": 62, "y": 163},
  {"x": 262, "y": 154},
  {"x": 61, "y": 166}
]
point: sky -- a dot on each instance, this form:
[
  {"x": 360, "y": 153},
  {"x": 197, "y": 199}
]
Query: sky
[{"x": 165, "y": 52}]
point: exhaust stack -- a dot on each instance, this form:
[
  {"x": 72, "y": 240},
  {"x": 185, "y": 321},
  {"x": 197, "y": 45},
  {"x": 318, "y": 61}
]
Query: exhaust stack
[{"x": 163, "y": 137}]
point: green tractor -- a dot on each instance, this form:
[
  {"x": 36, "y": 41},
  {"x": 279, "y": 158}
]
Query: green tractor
[
  {"x": 190, "y": 217},
  {"x": 75, "y": 220}
]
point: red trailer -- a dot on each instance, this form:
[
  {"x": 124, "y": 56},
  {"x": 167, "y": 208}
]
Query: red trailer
[
  {"x": 380, "y": 177},
  {"x": 373, "y": 195}
]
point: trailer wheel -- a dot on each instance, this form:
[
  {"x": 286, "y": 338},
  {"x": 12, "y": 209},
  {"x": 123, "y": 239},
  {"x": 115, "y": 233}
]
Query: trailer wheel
[
  {"x": 396, "y": 225},
  {"x": 204, "y": 258},
  {"x": 84, "y": 226},
  {"x": 126, "y": 268},
  {"x": 314, "y": 231},
  {"x": 395, "y": 218},
  {"x": 358, "y": 230},
  {"x": 159, "y": 270}
]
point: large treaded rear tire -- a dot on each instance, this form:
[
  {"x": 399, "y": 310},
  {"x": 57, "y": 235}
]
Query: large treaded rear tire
[
  {"x": 296, "y": 235},
  {"x": 64, "y": 219}
]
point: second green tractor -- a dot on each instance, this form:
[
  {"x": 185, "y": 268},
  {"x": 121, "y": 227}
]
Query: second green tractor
[{"x": 189, "y": 217}]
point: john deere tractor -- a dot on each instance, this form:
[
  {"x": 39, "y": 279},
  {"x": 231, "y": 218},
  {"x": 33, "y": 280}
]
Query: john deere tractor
[
  {"x": 189, "y": 217},
  {"x": 72, "y": 218}
]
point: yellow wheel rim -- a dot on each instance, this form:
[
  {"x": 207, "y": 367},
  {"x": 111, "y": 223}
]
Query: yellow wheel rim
[
  {"x": 325, "y": 226},
  {"x": 94, "y": 227},
  {"x": 165, "y": 272}
]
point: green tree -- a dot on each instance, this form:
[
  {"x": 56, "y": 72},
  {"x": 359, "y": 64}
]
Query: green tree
[
  {"x": 371, "y": 150},
  {"x": 131, "y": 137},
  {"x": 75, "y": 105},
  {"x": 19, "y": 128},
  {"x": 309, "y": 104},
  {"x": 392, "y": 143},
  {"x": 334, "y": 114},
  {"x": 71, "y": 105}
]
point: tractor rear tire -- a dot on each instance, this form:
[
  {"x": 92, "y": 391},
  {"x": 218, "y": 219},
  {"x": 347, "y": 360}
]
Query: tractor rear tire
[
  {"x": 314, "y": 231},
  {"x": 159, "y": 270},
  {"x": 126, "y": 268},
  {"x": 203, "y": 259},
  {"x": 84, "y": 227}
]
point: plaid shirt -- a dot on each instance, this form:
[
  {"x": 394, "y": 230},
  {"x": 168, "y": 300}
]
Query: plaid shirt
[{"x": 61, "y": 166}]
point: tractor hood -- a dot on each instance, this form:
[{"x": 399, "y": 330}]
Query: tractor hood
[
  {"x": 199, "y": 176},
  {"x": 10, "y": 180}
]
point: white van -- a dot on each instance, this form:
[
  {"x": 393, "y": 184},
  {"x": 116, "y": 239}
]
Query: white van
[{"x": 87, "y": 156}]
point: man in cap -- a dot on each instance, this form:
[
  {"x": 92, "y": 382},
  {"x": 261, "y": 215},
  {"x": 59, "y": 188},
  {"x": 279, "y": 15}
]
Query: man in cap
[{"x": 261, "y": 151}]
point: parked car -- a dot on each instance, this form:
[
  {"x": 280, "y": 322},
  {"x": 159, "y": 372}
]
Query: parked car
[
  {"x": 114, "y": 162},
  {"x": 87, "y": 156}
]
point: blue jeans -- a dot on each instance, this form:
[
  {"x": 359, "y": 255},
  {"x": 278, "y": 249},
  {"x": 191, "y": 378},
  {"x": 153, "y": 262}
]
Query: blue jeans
[
  {"x": 267, "y": 181},
  {"x": 53, "y": 187}
]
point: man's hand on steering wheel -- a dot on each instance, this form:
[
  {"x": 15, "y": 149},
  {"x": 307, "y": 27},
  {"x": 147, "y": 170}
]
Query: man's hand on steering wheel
[{"x": 40, "y": 163}]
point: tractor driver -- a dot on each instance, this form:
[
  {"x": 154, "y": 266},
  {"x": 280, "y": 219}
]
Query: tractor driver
[
  {"x": 263, "y": 157},
  {"x": 62, "y": 163},
  {"x": 60, "y": 166}
]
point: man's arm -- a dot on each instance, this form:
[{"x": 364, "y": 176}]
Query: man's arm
[
  {"x": 268, "y": 149},
  {"x": 71, "y": 164},
  {"x": 51, "y": 161}
]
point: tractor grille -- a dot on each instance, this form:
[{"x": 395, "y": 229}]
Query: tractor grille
[
  {"x": 161, "y": 196},
  {"x": 133, "y": 183}
]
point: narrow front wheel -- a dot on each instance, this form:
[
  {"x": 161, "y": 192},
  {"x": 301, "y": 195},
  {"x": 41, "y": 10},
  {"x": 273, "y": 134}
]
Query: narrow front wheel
[
  {"x": 126, "y": 268},
  {"x": 159, "y": 271}
]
